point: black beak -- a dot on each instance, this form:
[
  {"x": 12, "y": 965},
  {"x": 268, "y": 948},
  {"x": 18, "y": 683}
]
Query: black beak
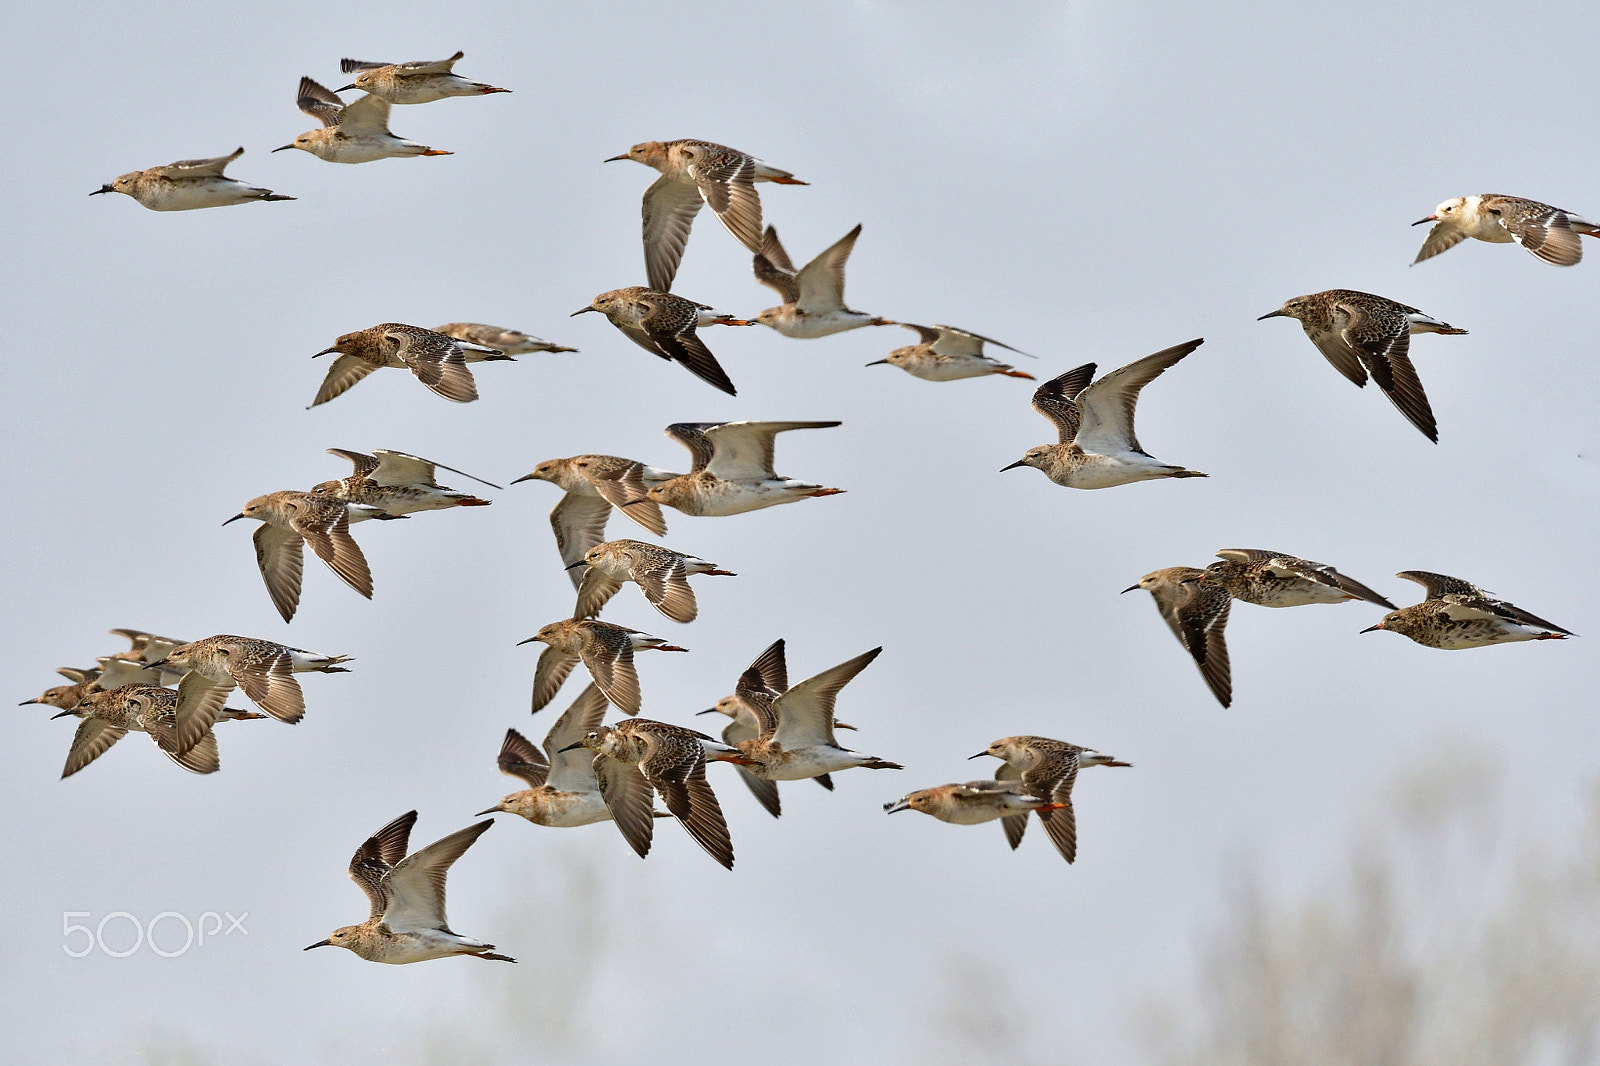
[
  {"x": 580, "y": 311},
  {"x": 614, "y": 158},
  {"x": 980, "y": 755},
  {"x": 346, "y": 89},
  {"x": 1127, "y": 590},
  {"x": 491, "y": 810},
  {"x": 1371, "y": 629},
  {"x": 1418, "y": 222},
  {"x": 577, "y": 564},
  {"x": 285, "y": 148},
  {"x": 53, "y": 717},
  {"x": 24, "y": 703},
  {"x": 318, "y": 944},
  {"x": 1272, "y": 314},
  {"x": 897, "y": 805},
  {"x": 101, "y": 189},
  {"x": 524, "y": 477},
  {"x": 235, "y": 518},
  {"x": 579, "y": 744},
  {"x": 1013, "y": 466},
  {"x": 159, "y": 663},
  {"x": 326, "y": 351},
  {"x": 530, "y": 640},
  {"x": 697, "y": 714},
  {"x": 877, "y": 362}
]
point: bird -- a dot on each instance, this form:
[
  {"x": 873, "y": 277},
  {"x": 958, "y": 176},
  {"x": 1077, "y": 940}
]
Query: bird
[
  {"x": 1045, "y": 767},
  {"x": 592, "y": 487},
  {"x": 110, "y": 715},
  {"x": 505, "y": 341},
  {"x": 1550, "y": 233},
  {"x": 796, "y": 738},
  {"x": 357, "y": 132},
  {"x": 605, "y": 649},
  {"x": 392, "y": 484},
  {"x": 562, "y": 790},
  {"x": 1359, "y": 332},
  {"x": 418, "y": 82},
  {"x": 695, "y": 172},
  {"x": 1196, "y": 610},
  {"x": 637, "y": 758},
  {"x": 945, "y": 353},
  {"x": 1458, "y": 614},
  {"x": 188, "y": 185},
  {"x": 973, "y": 802},
  {"x": 1097, "y": 448},
  {"x": 1273, "y": 579},
  {"x": 439, "y": 362},
  {"x": 291, "y": 519},
  {"x": 664, "y": 325},
  {"x": 408, "y": 923},
  {"x": 264, "y": 669},
  {"x": 66, "y": 697},
  {"x": 731, "y": 471},
  {"x": 763, "y": 682},
  {"x": 813, "y": 296},
  {"x": 661, "y": 574}
]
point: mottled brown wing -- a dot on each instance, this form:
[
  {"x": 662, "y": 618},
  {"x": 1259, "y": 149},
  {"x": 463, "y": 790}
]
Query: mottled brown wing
[
  {"x": 328, "y": 533},
  {"x": 1386, "y": 353},
  {"x": 1015, "y": 825},
  {"x": 1540, "y": 228},
  {"x": 726, "y": 182},
  {"x": 270, "y": 685},
  {"x": 594, "y": 592},
  {"x": 280, "y": 556},
  {"x": 200, "y": 703},
  {"x": 380, "y": 853},
  {"x": 692, "y": 435},
  {"x": 520, "y": 757},
  {"x": 319, "y": 102},
  {"x": 614, "y": 674},
  {"x": 200, "y": 757},
  {"x": 625, "y": 490},
  {"x": 93, "y": 737},
  {"x": 677, "y": 769},
  {"x": 668, "y": 211},
  {"x": 666, "y": 585},
  {"x": 770, "y": 670},
  {"x": 821, "y": 281},
  {"x": 687, "y": 349},
  {"x": 437, "y": 361},
  {"x": 363, "y": 463},
  {"x": 1054, "y": 399},
  {"x": 579, "y": 522},
  {"x": 344, "y": 373},
  {"x": 629, "y": 797},
  {"x": 1053, "y": 774},
  {"x": 1441, "y": 237},
  {"x": 548, "y": 676},
  {"x": 1441, "y": 584}
]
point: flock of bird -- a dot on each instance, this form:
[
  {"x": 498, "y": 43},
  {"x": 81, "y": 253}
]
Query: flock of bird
[{"x": 587, "y": 771}]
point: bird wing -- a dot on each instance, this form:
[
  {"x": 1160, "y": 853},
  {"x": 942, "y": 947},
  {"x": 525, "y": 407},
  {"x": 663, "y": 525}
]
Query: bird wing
[
  {"x": 345, "y": 372},
  {"x": 1056, "y": 400},
  {"x": 327, "y": 530},
  {"x": 625, "y": 490},
  {"x": 952, "y": 340},
  {"x": 629, "y": 798},
  {"x": 201, "y": 757},
  {"x": 199, "y": 168},
  {"x": 365, "y": 116},
  {"x": 765, "y": 791},
  {"x": 1015, "y": 825},
  {"x": 773, "y": 250},
  {"x": 742, "y": 451},
  {"x": 379, "y": 854},
  {"x": 676, "y": 766},
  {"x": 548, "y": 676},
  {"x": 415, "y": 467},
  {"x": 415, "y": 887},
  {"x": 1197, "y": 613},
  {"x": 521, "y": 758},
  {"x": 269, "y": 683},
  {"x": 280, "y": 556},
  {"x": 422, "y": 66},
  {"x": 437, "y": 361},
  {"x": 363, "y": 463},
  {"x": 200, "y": 703},
  {"x": 1337, "y": 349},
  {"x": 805, "y": 712},
  {"x": 670, "y": 205},
  {"x": 594, "y": 592},
  {"x": 1443, "y": 236},
  {"x": 678, "y": 341},
  {"x": 726, "y": 181},
  {"x": 610, "y": 663},
  {"x": 1540, "y": 228},
  {"x": 318, "y": 101},
  {"x": 1442, "y": 584},
  {"x": 693, "y": 435},
  {"x": 1106, "y": 406},
  {"x": 93, "y": 737},
  {"x": 573, "y": 771},
  {"x": 821, "y": 281},
  {"x": 1384, "y": 349},
  {"x": 665, "y": 582},
  {"x": 771, "y": 669},
  {"x": 579, "y": 522}
]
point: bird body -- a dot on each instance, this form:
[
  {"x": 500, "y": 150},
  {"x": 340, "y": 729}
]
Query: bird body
[
  {"x": 972, "y": 802},
  {"x": 796, "y": 739},
  {"x": 664, "y": 325},
  {"x": 732, "y": 471},
  {"x": 188, "y": 185},
  {"x": 562, "y": 790},
  {"x": 1550, "y": 233},
  {"x": 1458, "y": 614},
  {"x": 420, "y": 82},
  {"x": 945, "y": 353},
  {"x": 357, "y": 132},
  {"x": 439, "y": 362},
  {"x": 1195, "y": 608},
  {"x": 498, "y": 338},
  {"x": 592, "y": 485},
  {"x": 289, "y": 520},
  {"x": 813, "y": 297},
  {"x": 390, "y": 483},
  {"x": 605, "y": 649},
  {"x": 1094, "y": 421},
  {"x": 661, "y": 574},
  {"x": 1273, "y": 579}
]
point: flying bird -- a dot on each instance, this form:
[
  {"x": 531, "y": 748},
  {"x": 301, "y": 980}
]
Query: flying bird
[
  {"x": 813, "y": 296},
  {"x": 1458, "y": 614},
  {"x": 664, "y": 325},
  {"x": 1548, "y": 232},
  {"x": 731, "y": 472},
  {"x": 417, "y": 82},
  {"x": 439, "y": 362},
  {"x": 289, "y": 520},
  {"x": 357, "y": 132},
  {"x": 945, "y": 353},
  {"x": 1195, "y": 608},
  {"x": 188, "y": 185}
]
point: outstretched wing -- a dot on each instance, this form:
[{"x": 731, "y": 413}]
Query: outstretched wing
[{"x": 1106, "y": 406}]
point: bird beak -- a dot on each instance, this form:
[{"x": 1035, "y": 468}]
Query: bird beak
[
  {"x": 1370, "y": 629},
  {"x": 235, "y": 518},
  {"x": 697, "y": 714},
  {"x": 1418, "y": 222},
  {"x": 1127, "y": 590},
  {"x": 346, "y": 89},
  {"x": 24, "y": 703},
  {"x": 285, "y": 148},
  {"x": 530, "y": 640},
  {"x": 524, "y": 477},
  {"x": 101, "y": 189},
  {"x": 159, "y": 663},
  {"x": 574, "y": 566},
  {"x": 579, "y": 744},
  {"x": 580, "y": 311},
  {"x": 318, "y": 944},
  {"x": 1013, "y": 466},
  {"x": 480, "y": 814},
  {"x": 877, "y": 362},
  {"x": 980, "y": 755},
  {"x": 614, "y": 158},
  {"x": 897, "y": 805},
  {"x": 1272, "y": 314},
  {"x": 53, "y": 717},
  {"x": 641, "y": 499},
  {"x": 326, "y": 351}
]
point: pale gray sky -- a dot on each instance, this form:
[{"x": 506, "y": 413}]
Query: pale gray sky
[{"x": 1092, "y": 181}]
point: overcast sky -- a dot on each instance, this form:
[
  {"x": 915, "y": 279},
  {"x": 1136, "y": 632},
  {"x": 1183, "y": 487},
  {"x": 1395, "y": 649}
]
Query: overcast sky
[{"x": 1092, "y": 181}]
